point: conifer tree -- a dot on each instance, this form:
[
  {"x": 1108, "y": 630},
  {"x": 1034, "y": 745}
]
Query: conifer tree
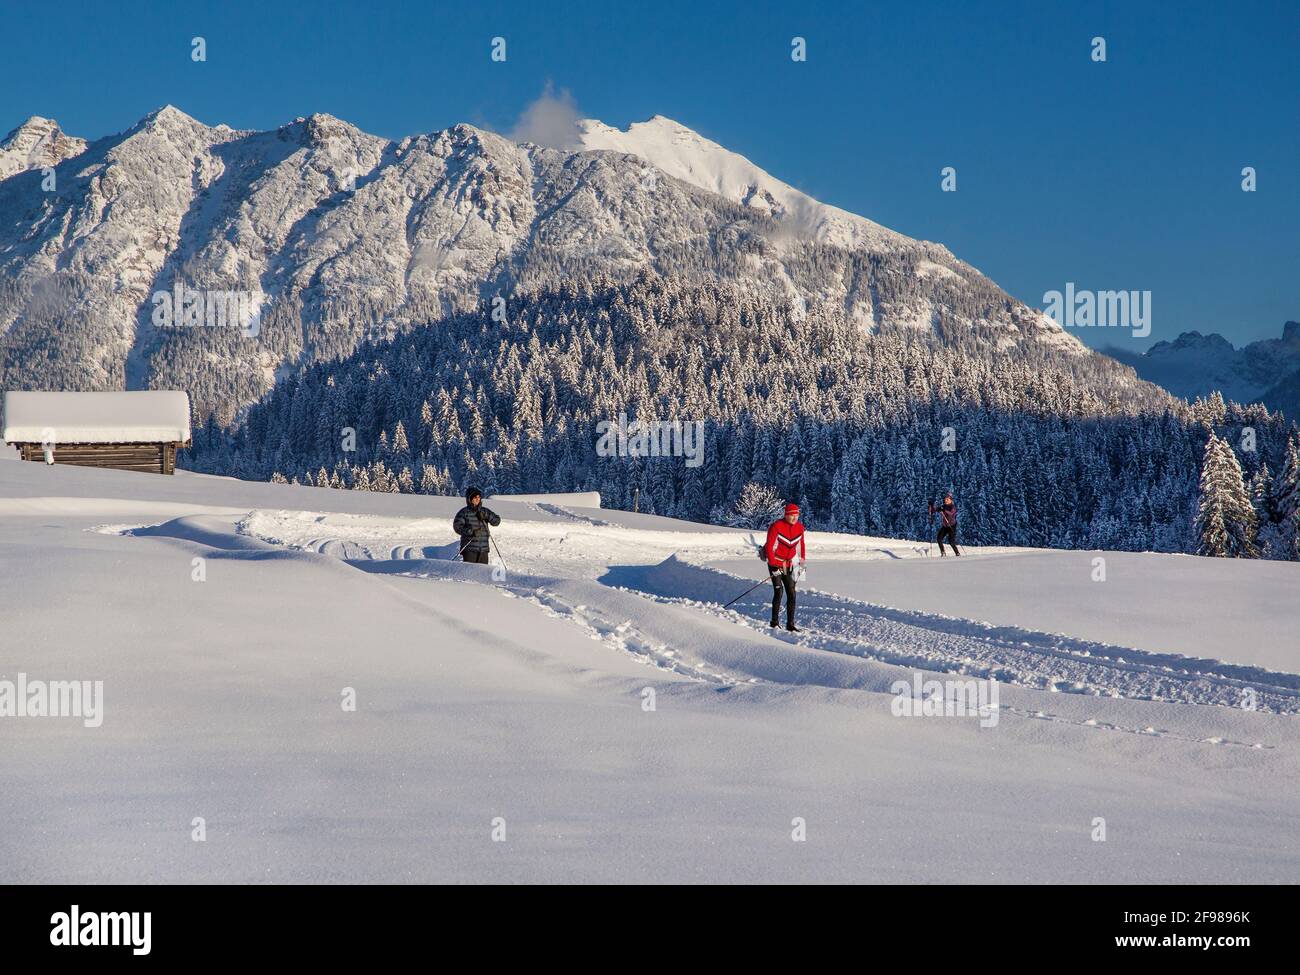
[{"x": 1225, "y": 520}]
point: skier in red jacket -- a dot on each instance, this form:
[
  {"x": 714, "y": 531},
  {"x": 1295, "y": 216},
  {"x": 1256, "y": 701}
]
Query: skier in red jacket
[{"x": 784, "y": 546}]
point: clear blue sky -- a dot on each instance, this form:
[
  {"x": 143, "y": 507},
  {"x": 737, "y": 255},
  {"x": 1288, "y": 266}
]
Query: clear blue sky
[{"x": 1116, "y": 175}]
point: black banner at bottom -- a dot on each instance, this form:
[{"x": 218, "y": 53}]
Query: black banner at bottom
[{"x": 143, "y": 925}]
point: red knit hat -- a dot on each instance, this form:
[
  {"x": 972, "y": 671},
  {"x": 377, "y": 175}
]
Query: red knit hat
[{"x": 791, "y": 508}]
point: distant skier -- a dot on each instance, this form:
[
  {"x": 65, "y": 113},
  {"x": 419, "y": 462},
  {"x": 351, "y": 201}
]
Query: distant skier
[
  {"x": 471, "y": 524},
  {"x": 784, "y": 543},
  {"x": 947, "y": 523}
]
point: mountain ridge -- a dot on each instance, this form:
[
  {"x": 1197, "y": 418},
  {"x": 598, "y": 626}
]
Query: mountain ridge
[
  {"x": 338, "y": 236},
  {"x": 1192, "y": 365}
]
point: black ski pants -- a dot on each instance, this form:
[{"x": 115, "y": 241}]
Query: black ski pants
[
  {"x": 949, "y": 532},
  {"x": 782, "y": 579}
]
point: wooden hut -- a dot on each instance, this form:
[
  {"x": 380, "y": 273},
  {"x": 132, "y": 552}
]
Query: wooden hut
[{"x": 136, "y": 431}]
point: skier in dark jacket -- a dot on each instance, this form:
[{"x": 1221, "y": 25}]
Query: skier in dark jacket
[
  {"x": 784, "y": 551},
  {"x": 471, "y": 524},
  {"x": 947, "y": 524}
]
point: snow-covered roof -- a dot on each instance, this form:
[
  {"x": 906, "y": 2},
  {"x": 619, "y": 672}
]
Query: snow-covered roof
[
  {"x": 571, "y": 499},
  {"x": 138, "y": 417}
]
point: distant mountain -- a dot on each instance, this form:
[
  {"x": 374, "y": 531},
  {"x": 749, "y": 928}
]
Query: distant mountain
[
  {"x": 36, "y": 143},
  {"x": 337, "y": 236},
  {"x": 1284, "y": 397},
  {"x": 1267, "y": 371}
]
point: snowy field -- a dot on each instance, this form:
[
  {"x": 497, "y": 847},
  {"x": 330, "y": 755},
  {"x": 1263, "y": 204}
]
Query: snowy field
[{"x": 518, "y": 693}]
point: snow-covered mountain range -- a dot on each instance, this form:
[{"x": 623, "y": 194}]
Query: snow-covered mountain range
[
  {"x": 1267, "y": 371},
  {"x": 338, "y": 236}
]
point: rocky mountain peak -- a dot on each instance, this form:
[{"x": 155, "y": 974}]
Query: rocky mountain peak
[{"x": 37, "y": 143}]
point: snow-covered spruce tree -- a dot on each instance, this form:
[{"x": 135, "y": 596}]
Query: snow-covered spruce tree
[
  {"x": 428, "y": 480},
  {"x": 1261, "y": 493},
  {"x": 1269, "y": 536},
  {"x": 1286, "y": 503},
  {"x": 1288, "y": 546},
  {"x": 400, "y": 450},
  {"x": 1225, "y": 519},
  {"x": 1286, "y": 487}
]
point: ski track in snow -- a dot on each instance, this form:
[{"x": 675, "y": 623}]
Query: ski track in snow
[
  {"x": 842, "y": 625},
  {"x": 868, "y": 631},
  {"x": 1011, "y": 655},
  {"x": 624, "y": 636}
]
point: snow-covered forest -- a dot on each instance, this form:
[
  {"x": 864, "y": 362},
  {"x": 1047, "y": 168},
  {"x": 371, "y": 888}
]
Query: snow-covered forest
[{"x": 862, "y": 429}]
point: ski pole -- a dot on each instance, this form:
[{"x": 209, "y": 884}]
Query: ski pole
[
  {"x": 498, "y": 551},
  {"x": 462, "y": 549},
  {"x": 746, "y": 592}
]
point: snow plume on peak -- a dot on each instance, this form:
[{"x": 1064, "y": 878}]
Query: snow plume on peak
[
  {"x": 686, "y": 155},
  {"x": 551, "y": 121}
]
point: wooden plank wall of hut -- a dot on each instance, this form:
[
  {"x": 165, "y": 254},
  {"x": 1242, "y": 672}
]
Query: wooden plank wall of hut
[{"x": 151, "y": 458}]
